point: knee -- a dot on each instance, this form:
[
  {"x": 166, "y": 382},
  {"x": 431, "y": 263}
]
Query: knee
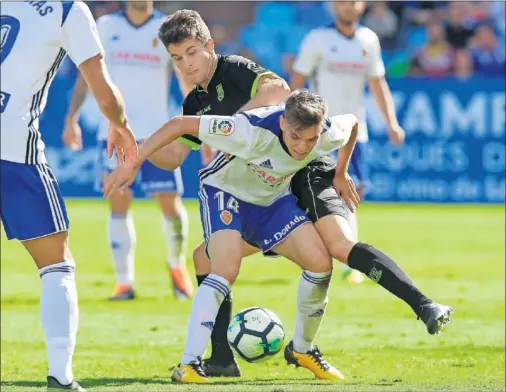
[
  {"x": 168, "y": 204},
  {"x": 230, "y": 271},
  {"x": 322, "y": 261},
  {"x": 340, "y": 248},
  {"x": 120, "y": 202},
  {"x": 201, "y": 262}
]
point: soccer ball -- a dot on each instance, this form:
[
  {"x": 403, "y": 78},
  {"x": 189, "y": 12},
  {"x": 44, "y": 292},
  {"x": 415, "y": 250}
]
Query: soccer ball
[{"x": 256, "y": 334}]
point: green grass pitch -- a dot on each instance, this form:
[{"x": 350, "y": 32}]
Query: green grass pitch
[{"x": 454, "y": 253}]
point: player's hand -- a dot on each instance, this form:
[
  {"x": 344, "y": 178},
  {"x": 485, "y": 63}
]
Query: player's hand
[
  {"x": 207, "y": 153},
  {"x": 119, "y": 180},
  {"x": 396, "y": 135},
  {"x": 122, "y": 140},
  {"x": 72, "y": 135},
  {"x": 346, "y": 188}
]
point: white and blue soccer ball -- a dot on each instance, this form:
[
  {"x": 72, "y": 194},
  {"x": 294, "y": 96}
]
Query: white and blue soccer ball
[{"x": 256, "y": 334}]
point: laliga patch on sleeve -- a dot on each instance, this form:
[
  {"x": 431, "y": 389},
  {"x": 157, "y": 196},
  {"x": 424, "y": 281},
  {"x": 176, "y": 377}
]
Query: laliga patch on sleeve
[{"x": 221, "y": 127}]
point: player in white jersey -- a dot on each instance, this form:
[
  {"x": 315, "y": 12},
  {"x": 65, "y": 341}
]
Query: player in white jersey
[
  {"x": 248, "y": 194},
  {"x": 339, "y": 60},
  {"x": 35, "y": 38},
  {"x": 141, "y": 68},
  {"x": 247, "y": 198}
]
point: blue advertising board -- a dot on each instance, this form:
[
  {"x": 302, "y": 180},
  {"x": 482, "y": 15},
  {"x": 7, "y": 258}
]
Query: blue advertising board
[{"x": 454, "y": 150}]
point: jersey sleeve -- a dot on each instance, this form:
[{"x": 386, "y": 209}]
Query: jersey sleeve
[
  {"x": 232, "y": 134},
  {"x": 245, "y": 74},
  {"x": 375, "y": 68},
  {"x": 308, "y": 56},
  {"x": 80, "y": 37},
  {"x": 337, "y": 131},
  {"x": 189, "y": 140}
]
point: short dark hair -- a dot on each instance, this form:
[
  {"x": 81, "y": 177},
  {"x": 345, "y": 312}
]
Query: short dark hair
[
  {"x": 304, "y": 109},
  {"x": 181, "y": 25}
]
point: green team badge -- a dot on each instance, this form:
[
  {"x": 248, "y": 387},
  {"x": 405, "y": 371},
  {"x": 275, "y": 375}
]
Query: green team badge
[{"x": 220, "y": 92}]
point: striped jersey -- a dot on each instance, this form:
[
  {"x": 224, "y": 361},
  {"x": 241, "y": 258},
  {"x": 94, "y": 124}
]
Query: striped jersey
[
  {"x": 261, "y": 168},
  {"x": 140, "y": 66},
  {"x": 35, "y": 38}
]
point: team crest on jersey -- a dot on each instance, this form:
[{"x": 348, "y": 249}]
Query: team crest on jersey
[
  {"x": 221, "y": 127},
  {"x": 226, "y": 217},
  {"x": 220, "y": 92},
  {"x": 155, "y": 42}
]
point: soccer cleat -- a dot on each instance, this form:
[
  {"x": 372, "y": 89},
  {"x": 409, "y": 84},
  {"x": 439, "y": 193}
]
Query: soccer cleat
[
  {"x": 181, "y": 282},
  {"x": 123, "y": 292},
  {"x": 313, "y": 361},
  {"x": 435, "y": 317},
  {"x": 353, "y": 276},
  {"x": 192, "y": 373},
  {"x": 215, "y": 368},
  {"x": 53, "y": 385}
]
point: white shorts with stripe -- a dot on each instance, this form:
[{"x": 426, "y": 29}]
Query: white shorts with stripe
[{"x": 31, "y": 203}]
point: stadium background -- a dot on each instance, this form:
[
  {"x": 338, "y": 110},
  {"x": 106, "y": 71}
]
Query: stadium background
[
  {"x": 454, "y": 153},
  {"x": 453, "y": 114}
]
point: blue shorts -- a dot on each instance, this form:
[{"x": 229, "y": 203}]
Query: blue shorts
[
  {"x": 151, "y": 179},
  {"x": 31, "y": 204},
  {"x": 263, "y": 227}
]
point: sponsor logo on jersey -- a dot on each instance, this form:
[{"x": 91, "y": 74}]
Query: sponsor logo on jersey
[
  {"x": 267, "y": 164},
  {"x": 266, "y": 177},
  {"x": 130, "y": 57},
  {"x": 220, "y": 92},
  {"x": 221, "y": 127},
  {"x": 155, "y": 42},
  {"x": 205, "y": 110},
  {"x": 226, "y": 217},
  {"x": 278, "y": 236}
]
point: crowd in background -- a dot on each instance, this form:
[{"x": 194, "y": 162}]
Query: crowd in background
[{"x": 419, "y": 38}]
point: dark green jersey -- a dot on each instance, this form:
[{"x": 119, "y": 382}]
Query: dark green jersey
[{"x": 233, "y": 84}]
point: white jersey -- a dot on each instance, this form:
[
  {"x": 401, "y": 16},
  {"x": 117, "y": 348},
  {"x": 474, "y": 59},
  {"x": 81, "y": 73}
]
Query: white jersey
[
  {"x": 338, "y": 68},
  {"x": 141, "y": 68},
  {"x": 261, "y": 169},
  {"x": 35, "y": 38}
]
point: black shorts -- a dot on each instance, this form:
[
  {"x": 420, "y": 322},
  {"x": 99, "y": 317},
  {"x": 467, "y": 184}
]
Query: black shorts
[{"x": 315, "y": 192}]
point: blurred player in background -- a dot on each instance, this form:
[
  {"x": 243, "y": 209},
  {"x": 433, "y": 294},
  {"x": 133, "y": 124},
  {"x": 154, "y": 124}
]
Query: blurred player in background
[
  {"x": 142, "y": 69},
  {"x": 35, "y": 40},
  {"x": 339, "y": 60}
]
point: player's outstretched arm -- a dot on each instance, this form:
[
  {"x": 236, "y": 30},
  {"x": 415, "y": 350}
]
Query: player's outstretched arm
[
  {"x": 342, "y": 181},
  {"x": 121, "y": 178}
]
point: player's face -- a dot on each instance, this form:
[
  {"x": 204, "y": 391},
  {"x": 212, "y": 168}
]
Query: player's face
[
  {"x": 193, "y": 59},
  {"x": 348, "y": 12},
  {"x": 140, "y": 5},
  {"x": 299, "y": 143}
]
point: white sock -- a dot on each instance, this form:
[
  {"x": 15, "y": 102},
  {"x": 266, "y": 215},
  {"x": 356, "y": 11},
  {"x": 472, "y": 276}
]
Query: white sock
[
  {"x": 312, "y": 302},
  {"x": 176, "y": 234},
  {"x": 122, "y": 242},
  {"x": 59, "y": 315},
  {"x": 207, "y": 301},
  {"x": 351, "y": 218}
]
